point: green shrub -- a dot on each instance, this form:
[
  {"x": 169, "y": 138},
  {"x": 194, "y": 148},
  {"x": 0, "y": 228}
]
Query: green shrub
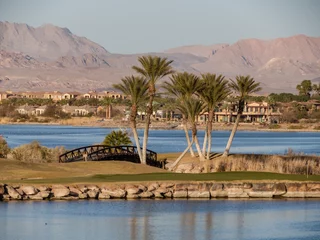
[
  {"x": 274, "y": 126},
  {"x": 4, "y": 148},
  {"x": 117, "y": 138},
  {"x": 296, "y": 127}
]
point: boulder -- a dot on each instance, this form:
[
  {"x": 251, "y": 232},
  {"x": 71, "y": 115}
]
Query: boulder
[
  {"x": 146, "y": 194},
  {"x": 133, "y": 196},
  {"x": 93, "y": 187},
  {"x": 295, "y": 190},
  {"x": 160, "y": 192},
  {"x": 168, "y": 194},
  {"x": 20, "y": 191},
  {"x": 93, "y": 193},
  {"x": 167, "y": 185},
  {"x": 6, "y": 197},
  {"x": 60, "y": 191},
  {"x": 74, "y": 191},
  {"x": 153, "y": 186},
  {"x": 29, "y": 190},
  {"x": 114, "y": 191},
  {"x": 261, "y": 190},
  {"x": 217, "y": 191},
  {"x": 13, "y": 193},
  {"x": 131, "y": 190},
  {"x": 83, "y": 196},
  {"x": 83, "y": 188},
  {"x": 180, "y": 194},
  {"x": 279, "y": 189},
  {"x": 35, "y": 197},
  {"x": 2, "y": 189},
  {"x": 44, "y": 188},
  {"x": 44, "y": 194},
  {"x": 68, "y": 198},
  {"x": 103, "y": 195},
  {"x": 313, "y": 190}
]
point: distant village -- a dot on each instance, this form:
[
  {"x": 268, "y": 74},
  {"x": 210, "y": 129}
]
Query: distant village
[{"x": 254, "y": 111}]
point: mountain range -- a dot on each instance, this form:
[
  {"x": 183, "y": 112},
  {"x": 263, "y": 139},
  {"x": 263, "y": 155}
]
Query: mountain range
[{"x": 53, "y": 58}]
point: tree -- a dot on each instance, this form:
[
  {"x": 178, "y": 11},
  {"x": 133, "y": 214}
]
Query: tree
[
  {"x": 305, "y": 88},
  {"x": 117, "y": 138},
  {"x": 152, "y": 68},
  {"x": 136, "y": 88},
  {"x": 183, "y": 86},
  {"x": 316, "y": 88},
  {"x": 242, "y": 87},
  {"x": 214, "y": 90}
]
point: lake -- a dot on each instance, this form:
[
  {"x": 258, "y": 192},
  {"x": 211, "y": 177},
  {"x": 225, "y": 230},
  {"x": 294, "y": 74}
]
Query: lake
[
  {"x": 161, "y": 219},
  {"x": 165, "y": 140}
]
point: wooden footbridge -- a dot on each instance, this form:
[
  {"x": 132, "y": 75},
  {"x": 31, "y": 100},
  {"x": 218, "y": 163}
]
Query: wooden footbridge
[{"x": 105, "y": 153}]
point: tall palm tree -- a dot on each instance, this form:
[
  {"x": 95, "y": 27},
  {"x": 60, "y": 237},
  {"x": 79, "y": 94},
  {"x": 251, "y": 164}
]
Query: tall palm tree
[
  {"x": 152, "y": 69},
  {"x": 194, "y": 107},
  {"x": 215, "y": 90},
  {"x": 183, "y": 86},
  {"x": 136, "y": 88},
  {"x": 242, "y": 87}
]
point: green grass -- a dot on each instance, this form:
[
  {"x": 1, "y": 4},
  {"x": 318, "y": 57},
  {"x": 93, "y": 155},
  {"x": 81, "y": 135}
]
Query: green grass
[{"x": 221, "y": 176}]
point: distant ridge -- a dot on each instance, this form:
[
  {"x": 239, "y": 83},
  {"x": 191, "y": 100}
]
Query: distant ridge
[{"x": 50, "y": 57}]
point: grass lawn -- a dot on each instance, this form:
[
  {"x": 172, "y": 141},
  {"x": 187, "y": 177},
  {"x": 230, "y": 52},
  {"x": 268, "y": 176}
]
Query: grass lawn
[{"x": 147, "y": 177}]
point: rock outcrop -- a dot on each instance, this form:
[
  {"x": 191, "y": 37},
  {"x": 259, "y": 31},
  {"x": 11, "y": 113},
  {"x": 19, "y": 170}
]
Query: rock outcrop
[{"x": 205, "y": 190}]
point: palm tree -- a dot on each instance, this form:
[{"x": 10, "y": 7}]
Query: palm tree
[
  {"x": 242, "y": 87},
  {"x": 183, "y": 86},
  {"x": 152, "y": 68},
  {"x": 194, "y": 107},
  {"x": 117, "y": 138},
  {"x": 215, "y": 90},
  {"x": 136, "y": 88}
]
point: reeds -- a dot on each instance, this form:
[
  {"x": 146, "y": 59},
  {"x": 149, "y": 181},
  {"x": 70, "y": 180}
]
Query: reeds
[{"x": 289, "y": 164}]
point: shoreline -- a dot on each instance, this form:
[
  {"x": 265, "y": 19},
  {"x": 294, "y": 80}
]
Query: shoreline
[
  {"x": 89, "y": 122},
  {"x": 162, "y": 190}
]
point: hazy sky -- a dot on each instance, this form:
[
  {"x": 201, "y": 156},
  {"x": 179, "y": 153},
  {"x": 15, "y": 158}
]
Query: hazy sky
[{"x": 132, "y": 26}]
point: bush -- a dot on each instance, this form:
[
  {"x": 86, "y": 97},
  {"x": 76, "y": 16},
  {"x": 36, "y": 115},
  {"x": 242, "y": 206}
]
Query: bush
[
  {"x": 274, "y": 126},
  {"x": 117, "y": 138},
  {"x": 296, "y": 127},
  {"x": 34, "y": 152},
  {"x": 4, "y": 148}
]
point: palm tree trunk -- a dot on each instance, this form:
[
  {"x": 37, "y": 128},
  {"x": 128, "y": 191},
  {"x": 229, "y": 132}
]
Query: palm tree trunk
[
  {"x": 180, "y": 157},
  {"x": 210, "y": 120},
  {"x": 196, "y": 141},
  {"x": 233, "y": 132},
  {"x": 205, "y": 139},
  {"x": 185, "y": 128},
  {"x": 134, "y": 130},
  {"x": 147, "y": 125}
]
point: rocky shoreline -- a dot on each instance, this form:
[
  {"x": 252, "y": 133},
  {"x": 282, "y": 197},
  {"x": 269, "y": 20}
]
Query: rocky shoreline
[{"x": 158, "y": 190}]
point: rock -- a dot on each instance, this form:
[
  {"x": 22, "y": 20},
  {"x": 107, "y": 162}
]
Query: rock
[
  {"x": 146, "y": 194},
  {"x": 13, "y": 193},
  {"x": 313, "y": 190},
  {"x": 29, "y": 190},
  {"x": 168, "y": 194},
  {"x": 83, "y": 188},
  {"x": 279, "y": 189},
  {"x": 74, "y": 191},
  {"x": 261, "y": 190},
  {"x": 83, "y": 196},
  {"x": 44, "y": 194},
  {"x": 35, "y": 197},
  {"x": 103, "y": 195},
  {"x": 93, "y": 193},
  {"x": 44, "y": 188},
  {"x": 6, "y": 197},
  {"x": 133, "y": 190},
  {"x": 114, "y": 192},
  {"x": 25, "y": 197},
  {"x": 153, "y": 186},
  {"x": 2, "y": 189},
  {"x": 180, "y": 194},
  {"x": 167, "y": 185},
  {"x": 186, "y": 167},
  {"x": 20, "y": 191},
  {"x": 93, "y": 187},
  {"x": 69, "y": 198},
  {"x": 133, "y": 196},
  {"x": 60, "y": 191},
  {"x": 160, "y": 192},
  {"x": 217, "y": 191},
  {"x": 295, "y": 190}
]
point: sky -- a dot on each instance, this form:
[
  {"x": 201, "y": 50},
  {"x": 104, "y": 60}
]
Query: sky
[{"x": 140, "y": 26}]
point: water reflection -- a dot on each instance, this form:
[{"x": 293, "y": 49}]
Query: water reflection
[{"x": 157, "y": 219}]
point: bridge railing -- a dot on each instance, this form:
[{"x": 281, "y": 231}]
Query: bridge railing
[{"x": 104, "y": 153}]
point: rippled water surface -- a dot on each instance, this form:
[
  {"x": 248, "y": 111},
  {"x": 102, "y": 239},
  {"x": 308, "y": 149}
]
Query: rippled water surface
[
  {"x": 161, "y": 219},
  {"x": 165, "y": 140}
]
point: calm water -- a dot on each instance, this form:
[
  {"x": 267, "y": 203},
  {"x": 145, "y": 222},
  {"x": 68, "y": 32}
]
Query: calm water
[
  {"x": 161, "y": 219},
  {"x": 165, "y": 140}
]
